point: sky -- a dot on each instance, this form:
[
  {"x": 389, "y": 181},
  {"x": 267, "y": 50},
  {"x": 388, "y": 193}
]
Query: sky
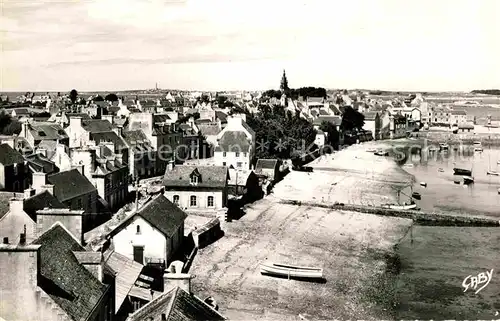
[{"x": 420, "y": 45}]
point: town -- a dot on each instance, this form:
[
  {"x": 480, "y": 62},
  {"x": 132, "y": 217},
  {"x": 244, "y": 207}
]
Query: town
[{"x": 110, "y": 201}]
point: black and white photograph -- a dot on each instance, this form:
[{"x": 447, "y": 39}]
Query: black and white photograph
[{"x": 295, "y": 160}]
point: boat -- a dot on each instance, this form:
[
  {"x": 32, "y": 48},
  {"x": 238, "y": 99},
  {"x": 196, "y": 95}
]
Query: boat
[
  {"x": 381, "y": 153},
  {"x": 291, "y": 270},
  {"x": 495, "y": 173},
  {"x": 403, "y": 207},
  {"x": 443, "y": 146},
  {"x": 498, "y": 190},
  {"x": 416, "y": 195},
  {"x": 457, "y": 181},
  {"x": 468, "y": 180},
  {"x": 424, "y": 184},
  {"x": 441, "y": 170},
  {"x": 461, "y": 171},
  {"x": 478, "y": 147}
]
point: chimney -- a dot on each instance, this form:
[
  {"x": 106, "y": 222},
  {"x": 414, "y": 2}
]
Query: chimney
[
  {"x": 75, "y": 122},
  {"x": 16, "y": 205},
  {"x": 5, "y": 240},
  {"x": 22, "y": 236},
  {"x": 29, "y": 192},
  {"x": 72, "y": 220},
  {"x": 173, "y": 280},
  {"x": 170, "y": 166},
  {"x": 93, "y": 262},
  {"x": 118, "y": 130},
  {"x": 39, "y": 180}
]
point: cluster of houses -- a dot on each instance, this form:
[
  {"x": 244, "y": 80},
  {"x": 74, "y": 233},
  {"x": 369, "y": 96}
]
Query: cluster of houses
[{"x": 64, "y": 177}]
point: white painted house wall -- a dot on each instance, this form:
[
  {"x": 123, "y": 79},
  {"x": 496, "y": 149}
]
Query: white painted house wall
[
  {"x": 154, "y": 242},
  {"x": 201, "y": 199},
  {"x": 231, "y": 158}
]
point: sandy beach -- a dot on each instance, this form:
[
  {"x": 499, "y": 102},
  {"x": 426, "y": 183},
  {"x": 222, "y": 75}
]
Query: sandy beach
[{"x": 354, "y": 249}]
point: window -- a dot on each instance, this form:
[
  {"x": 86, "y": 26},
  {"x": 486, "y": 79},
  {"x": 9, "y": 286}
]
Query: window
[
  {"x": 138, "y": 229},
  {"x": 16, "y": 172},
  {"x": 244, "y": 154},
  {"x": 237, "y": 154},
  {"x": 210, "y": 201},
  {"x": 223, "y": 163},
  {"x": 176, "y": 199},
  {"x": 79, "y": 204},
  {"x": 239, "y": 164},
  {"x": 192, "y": 200},
  {"x": 224, "y": 154},
  {"x": 194, "y": 179}
]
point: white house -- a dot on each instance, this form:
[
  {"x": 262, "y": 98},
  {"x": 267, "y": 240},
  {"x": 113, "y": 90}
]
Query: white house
[
  {"x": 320, "y": 139},
  {"x": 235, "y": 144},
  {"x": 197, "y": 187},
  {"x": 152, "y": 235}
]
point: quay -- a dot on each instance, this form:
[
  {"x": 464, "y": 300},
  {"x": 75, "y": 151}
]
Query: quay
[{"x": 419, "y": 217}]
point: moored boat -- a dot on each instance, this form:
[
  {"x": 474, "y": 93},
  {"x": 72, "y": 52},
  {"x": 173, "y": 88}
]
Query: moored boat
[
  {"x": 403, "y": 207},
  {"x": 478, "y": 147},
  {"x": 416, "y": 195},
  {"x": 423, "y": 184},
  {"x": 468, "y": 180},
  {"x": 492, "y": 173},
  {"x": 461, "y": 171},
  {"x": 441, "y": 170},
  {"x": 381, "y": 153},
  {"x": 291, "y": 270}
]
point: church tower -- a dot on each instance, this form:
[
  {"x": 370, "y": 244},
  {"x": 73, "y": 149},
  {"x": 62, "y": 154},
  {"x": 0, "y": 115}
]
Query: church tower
[{"x": 284, "y": 84}]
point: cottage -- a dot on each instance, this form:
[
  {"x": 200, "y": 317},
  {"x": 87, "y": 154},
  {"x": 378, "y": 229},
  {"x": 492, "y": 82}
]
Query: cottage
[
  {"x": 35, "y": 133},
  {"x": 151, "y": 235},
  {"x": 268, "y": 167},
  {"x": 197, "y": 187},
  {"x": 14, "y": 172}
]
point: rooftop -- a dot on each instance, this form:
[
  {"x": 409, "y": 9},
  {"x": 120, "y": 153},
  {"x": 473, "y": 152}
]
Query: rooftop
[
  {"x": 70, "y": 184},
  {"x": 10, "y": 156},
  {"x": 210, "y": 176}
]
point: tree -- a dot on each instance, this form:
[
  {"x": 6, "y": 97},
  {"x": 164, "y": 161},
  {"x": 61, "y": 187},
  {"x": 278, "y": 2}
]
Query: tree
[
  {"x": 73, "y": 94},
  {"x": 352, "y": 120},
  {"x": 111, "y": 97},
  {"x": 332, "y": 133},
  {"x": 8, "y": 125},
  {"x": 98, "y": 98}
]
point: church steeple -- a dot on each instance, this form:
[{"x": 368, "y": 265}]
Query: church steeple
[{"x": 284, "y": 83}]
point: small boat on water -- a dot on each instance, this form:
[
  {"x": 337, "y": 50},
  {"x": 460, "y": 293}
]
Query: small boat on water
[
  {"x": 468, "y": 180},
  {"x": 478, "y": 147},
  {"x": 461, "y": 171},
  {"x": 423, "y": 184},
  {"x": 402, "y": 207},
  {"x": 457, "y": 181},
  {"x": 416, "y": 195},
  {"x": 291, "y": 270},
  {"x": 495, "y": 173},
  {"x": 441, "y": 170}
]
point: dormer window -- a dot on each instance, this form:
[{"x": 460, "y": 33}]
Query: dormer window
[
  {"x": 195, "y": 177},
  {"x": 194, "y": 180}
]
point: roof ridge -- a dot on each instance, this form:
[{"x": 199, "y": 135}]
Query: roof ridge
[{"x": 64, "y": 228}]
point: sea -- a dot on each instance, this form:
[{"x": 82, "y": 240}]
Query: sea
[{"x": 434, "y": 262}]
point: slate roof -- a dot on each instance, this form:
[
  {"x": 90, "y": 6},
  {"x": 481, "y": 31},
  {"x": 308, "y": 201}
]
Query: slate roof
[
  {"x": 234, "y": 141},
  {"x": 318, "y": 100},
  {"x": 84, "y": 116},
  {"x": 47, "y": 131},
  {"x": 160, "y": 118},
  {"x": 209, "y": 129},
  {"x": 39, "y": 202},
  {"x": 126, "y": 273},
  {"x": 109, "y": 136},
  {"x": 177, "y": 305},
  {"x": 334, "y": 109},
  {"x": 323, "y": 112},
  {"x": 458, "y": 112},
  {"x": 222, "y": 116},
  {"x": 40, "y": 163},
  {"x": 266, "y": 163},
  {"x": 97, "y": 125},
  {"x": 211, "y": 176},
  {"x": 63, "y": 278},
  {"x": 162, "y": 214},
  {"x": 88, "y": 257},
  {"x": 10, "y": 156},
  {"x": 70, "y": 184}
]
